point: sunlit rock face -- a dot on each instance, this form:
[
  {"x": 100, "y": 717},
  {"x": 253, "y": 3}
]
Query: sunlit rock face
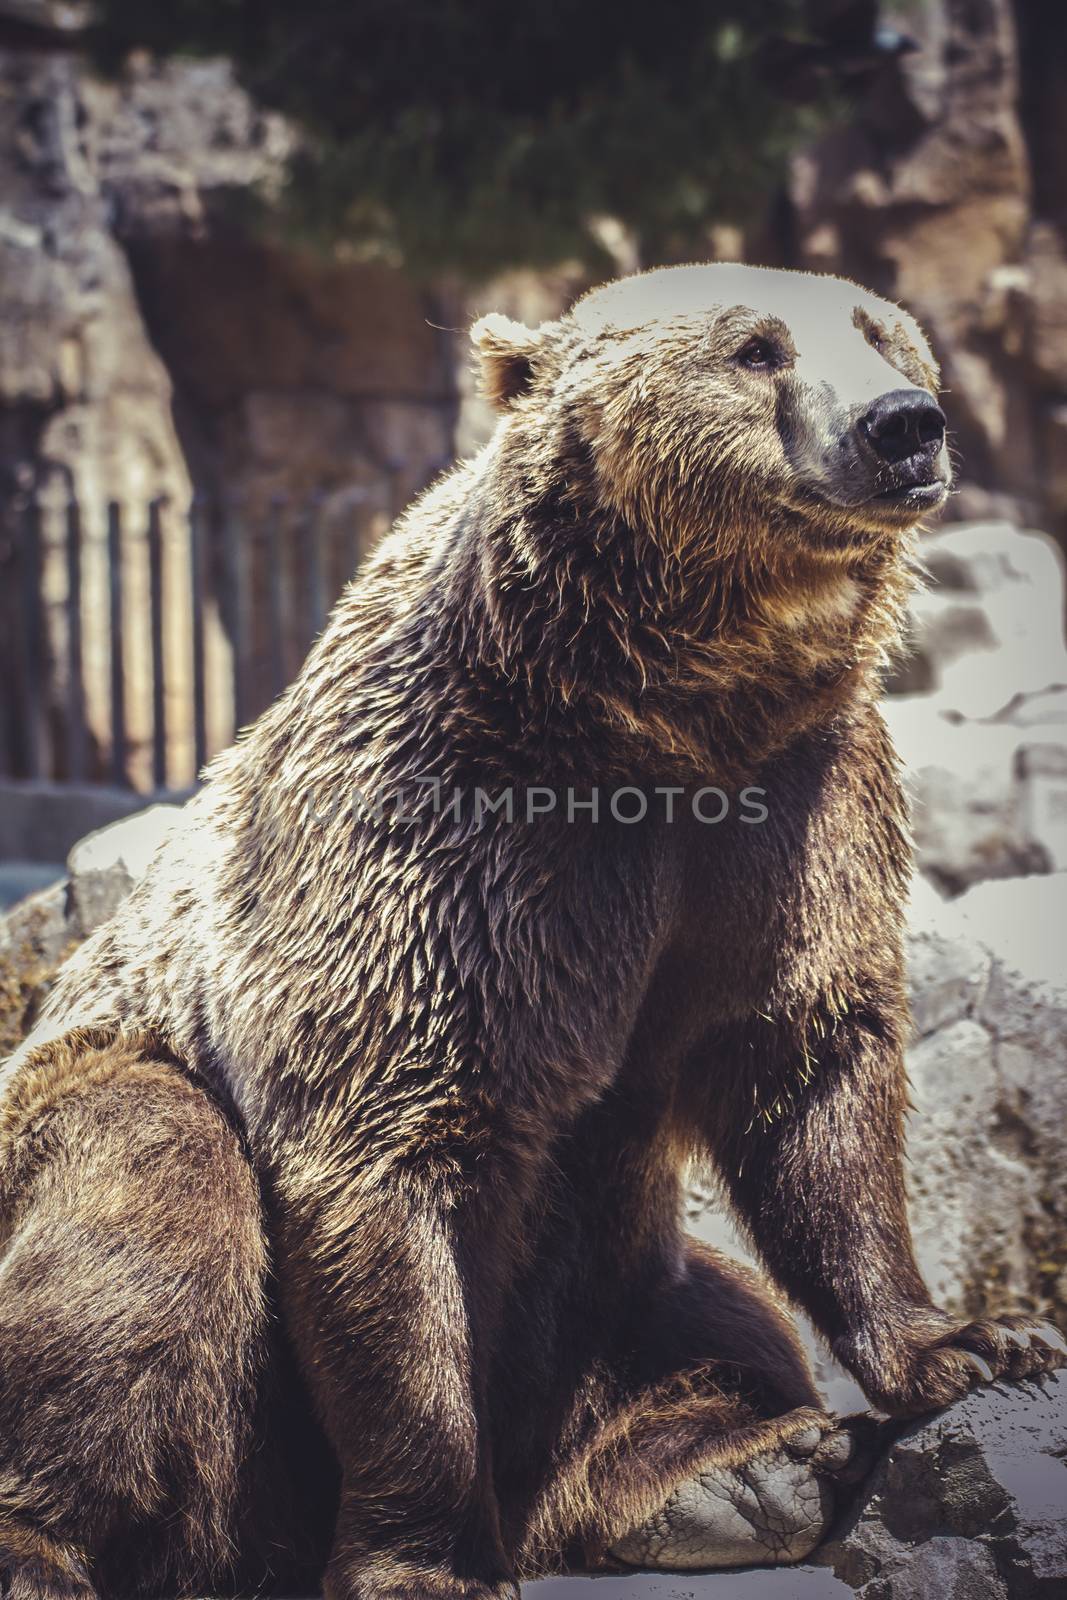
[
  {"x": 154, "y": 341},
  {"x": 942, "y": 193}
]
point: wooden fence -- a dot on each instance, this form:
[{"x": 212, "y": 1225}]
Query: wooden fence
[{"x": 136, "y": 638}]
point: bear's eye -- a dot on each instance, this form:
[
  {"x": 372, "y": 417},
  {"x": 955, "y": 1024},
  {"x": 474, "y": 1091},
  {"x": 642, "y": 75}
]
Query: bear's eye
[{"x": 758, "y": 355}]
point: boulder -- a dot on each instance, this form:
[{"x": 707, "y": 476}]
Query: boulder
[
  {"x": 103, "y": 868},
  {"x": 941, "y": 190},
  {"x": 988, "y": 629},
  {"x": 761, "y": 1583},
  {"x": 987, "y": 798},
  {"x": 130, "y": 279},
  {"x": 981, "y": 724},
  {"x": 35, "y": 935},
  {"x": 39, "y": 931},
  {"x": 968, "y": 1504},
  {"x": 987, "y": 1136}
]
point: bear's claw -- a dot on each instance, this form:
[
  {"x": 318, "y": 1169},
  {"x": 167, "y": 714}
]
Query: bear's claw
[
  {"x": 984, "y": 1370},
  {"x": 937, "y": 1371}
]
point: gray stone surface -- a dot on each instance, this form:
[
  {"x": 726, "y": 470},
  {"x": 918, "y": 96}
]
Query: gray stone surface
[
  {"x": 782, "y": 1583},
  {"x": 988, "y": 1134},
  {"x": 128, "y": 279},
  {"x": 103, "y": 868},
  {"x": 969, "y": 1503},
  {"x": 774, "y": 1510},
  {"x": 40, "y": 930},
  {"x": 927, "y": 189},
  {"x": 982, "y": 730}
]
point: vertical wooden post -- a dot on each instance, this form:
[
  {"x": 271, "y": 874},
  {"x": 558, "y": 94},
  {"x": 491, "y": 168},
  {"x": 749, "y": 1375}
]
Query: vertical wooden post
[
  {"x": 77, "y": 733},
  {"x": 317, "y": 605},
  {"x": 196, "y": 603},
  {"x": 118, "y": 662},
  {"x": 233, "y": 607},
  {"x": 156, "y": 598},
  {"x": 358, "y": 502},
  {"x": 394, "y": 468},
  {"x": 277, "y": 596},
  {"x": 32, "y": 635}
]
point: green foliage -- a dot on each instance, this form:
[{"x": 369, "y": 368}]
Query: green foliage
[{"x": 474, "y": 134}]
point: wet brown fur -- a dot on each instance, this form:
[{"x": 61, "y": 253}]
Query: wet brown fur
[{"x": 341, "y": 1181}]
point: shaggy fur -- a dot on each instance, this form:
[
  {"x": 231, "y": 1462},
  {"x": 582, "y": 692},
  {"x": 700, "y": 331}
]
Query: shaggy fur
[{"x": 419, "y": 1089}]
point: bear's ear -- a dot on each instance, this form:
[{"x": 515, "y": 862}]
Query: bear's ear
[{"x": 507, "y": 351}]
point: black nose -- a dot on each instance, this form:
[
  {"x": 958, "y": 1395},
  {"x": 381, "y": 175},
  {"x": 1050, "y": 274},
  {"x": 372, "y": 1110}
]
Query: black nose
[{"x": 906, "y": 422}]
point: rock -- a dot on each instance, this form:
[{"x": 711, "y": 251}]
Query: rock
[
  {"x": 988, "y": 1136},
  {"x": 965, "y": 1505},
  {"x": 38, "y": 932},
  {"x": 133, "y": 291},
  {"x": 1018, "y": 921},
  {"x": 34, "y": 937},
  {"x": 985, "y": 747},
  {"x": 924, "y": 195},
  {"x": 989, "y": 800},
  {"x": 78, "y": 373},
  {"x": 955, "y": 1090},
  {"x": 174, "y": 140},
  {"x": 990, "y": 626},
  {"x": 968, "y": 1504},
  {"x": 104, "y": 867},
  {"x": 975, "y": 814},
  {"x": 776, "y": 1583},
  {"x": 948, "y": 971},
  {"x": 126, "y": 275},
  {"x": 942, "y": 192}
]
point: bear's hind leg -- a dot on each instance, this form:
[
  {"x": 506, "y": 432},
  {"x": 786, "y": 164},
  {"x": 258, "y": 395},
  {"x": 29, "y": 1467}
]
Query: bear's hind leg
[
  {"x": 713, "y": 1450},
  {"x": 132, "y": 1324},
  {"x": 35, "y": 1567}
]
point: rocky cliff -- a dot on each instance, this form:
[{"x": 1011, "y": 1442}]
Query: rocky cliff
[
  {"x": 152, "y": 331},
  {"x": 941, "y": 192},
  {"x": 156, "y": 339}
]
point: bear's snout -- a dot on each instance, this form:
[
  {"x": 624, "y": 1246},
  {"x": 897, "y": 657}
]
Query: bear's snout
[
  {"x": 882, "y": 459},
  {"x": 905, "y": 425},
  {"x": 901, "y": 437}
]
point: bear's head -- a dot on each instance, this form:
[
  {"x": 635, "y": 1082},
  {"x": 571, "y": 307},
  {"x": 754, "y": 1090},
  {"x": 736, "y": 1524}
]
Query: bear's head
[
  {"x": 729, "y": 410},
  {"x": 691, "y": 525}
]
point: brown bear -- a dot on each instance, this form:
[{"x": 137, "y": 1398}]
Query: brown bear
[{"x": 341, "y": 1183}]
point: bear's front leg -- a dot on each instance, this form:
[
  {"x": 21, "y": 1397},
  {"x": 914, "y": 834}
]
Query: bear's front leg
[
  {"x": 390, "y": 1270},
  {"x": 810, "y": 1144}
]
